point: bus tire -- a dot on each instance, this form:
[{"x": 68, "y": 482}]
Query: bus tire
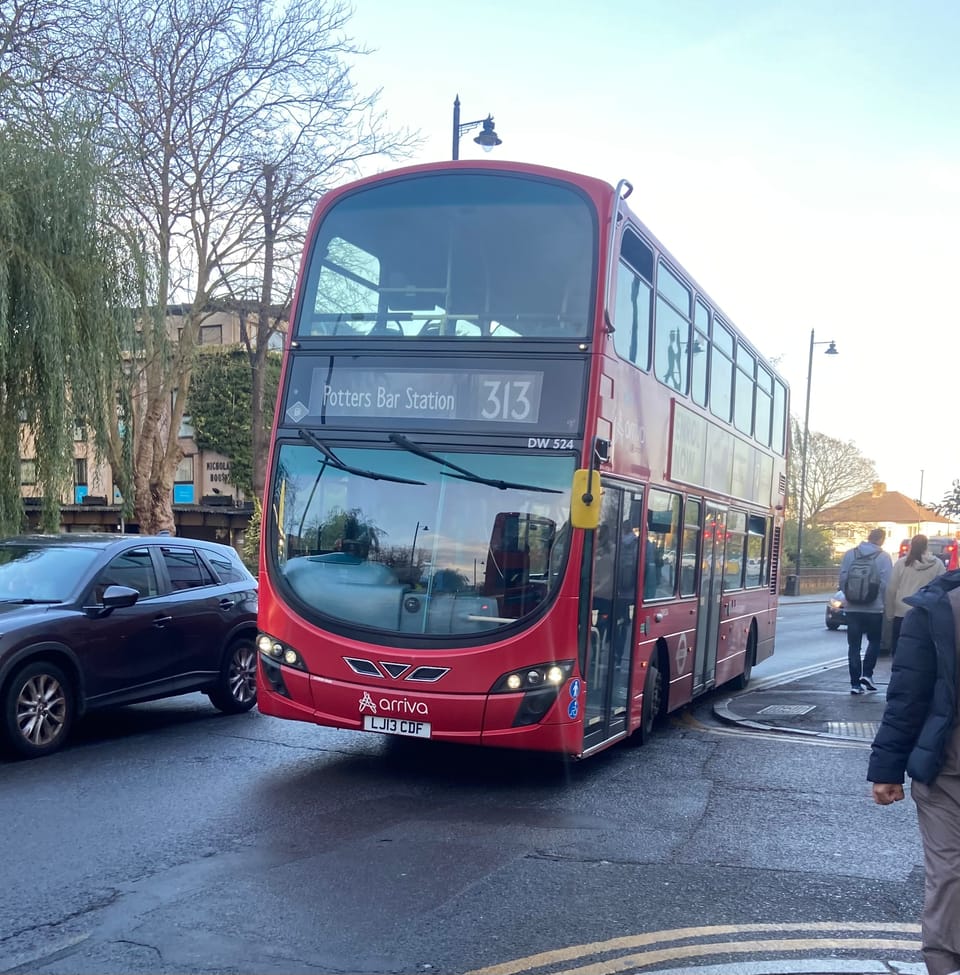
[
  {"x": 652, "y": 704},
  {"x": 740, "y": 682}
]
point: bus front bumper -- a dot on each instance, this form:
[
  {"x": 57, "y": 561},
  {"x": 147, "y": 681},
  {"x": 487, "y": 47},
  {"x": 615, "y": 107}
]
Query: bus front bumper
[{"x": 499, "y": 720}]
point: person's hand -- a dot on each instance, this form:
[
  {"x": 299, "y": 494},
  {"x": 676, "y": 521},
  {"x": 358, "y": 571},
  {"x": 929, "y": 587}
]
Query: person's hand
[{"x": 886, "y": 792}]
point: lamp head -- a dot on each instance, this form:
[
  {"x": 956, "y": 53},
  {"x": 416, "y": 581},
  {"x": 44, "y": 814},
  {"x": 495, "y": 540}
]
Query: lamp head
[
  {"x": 488, "y": 138},
  {"x": 831, "y": 349}
]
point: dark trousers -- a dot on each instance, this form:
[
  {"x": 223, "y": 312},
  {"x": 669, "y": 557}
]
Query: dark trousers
[
  {"x": 858, "y": 625},
  {"x": 895, "y": 634}
]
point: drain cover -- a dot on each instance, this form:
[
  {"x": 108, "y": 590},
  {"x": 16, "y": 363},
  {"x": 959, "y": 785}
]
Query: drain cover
[
  {"x": 787, "y": 710},
  {"x": 853, "y": 729}
]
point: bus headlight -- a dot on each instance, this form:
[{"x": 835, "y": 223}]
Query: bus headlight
[
  {"x": 539, "y": 676},
  {"x": 276, "y": 652},
  {"x": 539, "y": 685}
]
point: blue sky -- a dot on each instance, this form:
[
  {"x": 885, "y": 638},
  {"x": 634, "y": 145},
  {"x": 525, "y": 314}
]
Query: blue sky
[{"x": 801, "y": 160}]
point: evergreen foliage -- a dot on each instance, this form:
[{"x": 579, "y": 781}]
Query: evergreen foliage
[
  {"x": 220, "y": 407},
  {"x": 251, "y": 539}
]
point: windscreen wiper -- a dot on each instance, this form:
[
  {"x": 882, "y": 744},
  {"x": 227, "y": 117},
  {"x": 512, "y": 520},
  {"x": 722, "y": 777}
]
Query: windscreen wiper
[
  {"x": 30, "y": 601},
  {"x": 463, "y": 474},
  {"x": 335, "y": 461}
]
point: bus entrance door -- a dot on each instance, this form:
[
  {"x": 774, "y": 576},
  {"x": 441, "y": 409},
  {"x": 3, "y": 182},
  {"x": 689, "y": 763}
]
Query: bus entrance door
[
  {"x": 711, "y": 589},
  {"x": 613, "y": 601}
]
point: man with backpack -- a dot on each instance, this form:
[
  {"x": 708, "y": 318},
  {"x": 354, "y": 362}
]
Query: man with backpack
[{"x": 864, "y": 574}]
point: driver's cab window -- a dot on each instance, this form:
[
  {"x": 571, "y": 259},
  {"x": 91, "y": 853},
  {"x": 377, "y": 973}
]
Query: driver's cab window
[{"x": 133, "y": 569}]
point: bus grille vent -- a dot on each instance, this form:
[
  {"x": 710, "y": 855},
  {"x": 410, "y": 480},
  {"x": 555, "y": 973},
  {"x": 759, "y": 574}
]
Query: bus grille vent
[
  {"x": 428, "y": 675},
  {"x": 775, "y": 560}
]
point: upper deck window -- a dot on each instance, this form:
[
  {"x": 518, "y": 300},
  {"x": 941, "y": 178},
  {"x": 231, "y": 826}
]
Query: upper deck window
[
  {"x": 698, "y": 359},
  {"x": 743, "y": 390},
  {"x": 631, "y": 314},
  {"x": 453, "y": 255},
  {"x": 721, "y": 371},
  {"x": 672, "y": 330}
]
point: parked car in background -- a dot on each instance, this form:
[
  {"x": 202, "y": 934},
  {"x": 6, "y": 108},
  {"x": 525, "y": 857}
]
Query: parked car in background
[
  {"x": 944, "y": 547},
  {"x": 836, "y": 613},
  {"x": 92, "y": 621}
]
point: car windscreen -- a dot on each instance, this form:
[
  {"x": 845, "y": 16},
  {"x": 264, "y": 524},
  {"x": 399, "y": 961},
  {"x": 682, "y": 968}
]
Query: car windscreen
[{"x": 42, "y": 573}]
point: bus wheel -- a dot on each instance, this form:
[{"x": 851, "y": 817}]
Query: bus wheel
[
  {"x": 652, "y": 703},
  {"x": 740, "y": 682}
]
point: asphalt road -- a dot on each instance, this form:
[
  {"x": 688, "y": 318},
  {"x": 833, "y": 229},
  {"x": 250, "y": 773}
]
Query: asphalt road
[{"x": 170, "y": 838}]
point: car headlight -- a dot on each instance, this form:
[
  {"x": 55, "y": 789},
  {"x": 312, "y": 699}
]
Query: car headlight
[{"x": 836, "y": 604}]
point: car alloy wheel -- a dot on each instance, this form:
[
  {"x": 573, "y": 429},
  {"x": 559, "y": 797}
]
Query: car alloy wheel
[
  {"x": 38, "y": 709},
  {"x": 236, "y": 687},
  {"x": 243, "y": 673}
]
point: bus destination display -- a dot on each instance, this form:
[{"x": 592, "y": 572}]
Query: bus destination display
[
  {"x": 446, "y": 393},
  {"x": 507, "y": 397}
]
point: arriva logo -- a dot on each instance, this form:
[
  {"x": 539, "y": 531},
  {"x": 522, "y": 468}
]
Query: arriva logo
[{"x": 403, "y": 706}]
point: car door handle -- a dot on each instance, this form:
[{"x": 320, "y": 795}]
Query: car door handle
[
  {"x": 226, "y": 603},
  {"x": 161, "y": 621}
]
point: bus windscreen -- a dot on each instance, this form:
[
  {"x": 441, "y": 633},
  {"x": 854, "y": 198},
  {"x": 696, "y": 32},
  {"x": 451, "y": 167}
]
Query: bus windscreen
[{"x": 453, "y": 256}]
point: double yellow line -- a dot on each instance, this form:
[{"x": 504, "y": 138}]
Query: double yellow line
[{"x": 661, "y": 946}]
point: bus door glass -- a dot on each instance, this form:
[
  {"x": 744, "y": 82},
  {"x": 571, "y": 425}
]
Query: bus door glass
[
  {"x": 711, "y": 589},
  {"x": 613, "y": 603}
]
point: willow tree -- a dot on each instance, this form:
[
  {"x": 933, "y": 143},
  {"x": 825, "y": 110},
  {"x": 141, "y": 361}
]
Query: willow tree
[{"x": 64, "y": 291}]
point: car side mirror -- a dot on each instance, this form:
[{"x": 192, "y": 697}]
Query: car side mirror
[{"x": 114, "y": 597}]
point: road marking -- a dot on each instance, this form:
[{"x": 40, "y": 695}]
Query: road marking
[{"x": 626, "y": 962}]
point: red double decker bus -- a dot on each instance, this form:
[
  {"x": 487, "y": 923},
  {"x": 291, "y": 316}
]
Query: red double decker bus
[{"x": 526, "y": 484}]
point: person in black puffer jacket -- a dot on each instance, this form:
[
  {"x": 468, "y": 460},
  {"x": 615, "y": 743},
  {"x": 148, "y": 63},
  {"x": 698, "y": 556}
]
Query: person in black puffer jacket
[{"x": 920, "y": 736}]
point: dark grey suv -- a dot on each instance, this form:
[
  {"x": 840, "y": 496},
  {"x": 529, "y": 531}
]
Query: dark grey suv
[{"x": 92, "y": 621}]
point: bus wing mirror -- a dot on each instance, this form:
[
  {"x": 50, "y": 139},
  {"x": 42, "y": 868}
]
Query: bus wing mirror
[{"x": 585, "y": 499}]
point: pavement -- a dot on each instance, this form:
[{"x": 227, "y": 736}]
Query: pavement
[{"x": 813, "y": 701}]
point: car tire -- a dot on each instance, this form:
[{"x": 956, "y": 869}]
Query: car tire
[
  {"x": 833, "y": 626},
  {"x": 39, "y": 706},
  {"x": 236, "y": 688}
]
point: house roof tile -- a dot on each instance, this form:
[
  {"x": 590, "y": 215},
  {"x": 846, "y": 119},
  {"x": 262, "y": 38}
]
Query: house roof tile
[{"x": 872, "y": 507}]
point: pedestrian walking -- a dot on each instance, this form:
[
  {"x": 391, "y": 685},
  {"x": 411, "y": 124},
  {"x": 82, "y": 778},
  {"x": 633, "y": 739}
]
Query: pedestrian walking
[
  {"x": 910, "y": 573},
  {"x": 864, "y": 573},
  {"x": 919, "y": 736}
]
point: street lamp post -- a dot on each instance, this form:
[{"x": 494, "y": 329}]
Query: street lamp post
[
  {"x": 488, "y": 138},
  {"x": 830, "y": 350},
  {"x": 413, "y": 548}
]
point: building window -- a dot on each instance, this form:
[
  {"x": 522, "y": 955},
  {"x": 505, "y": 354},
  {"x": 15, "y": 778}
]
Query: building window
[
  {"x": 211, "y": 335},
  {"x": 79, "y": 479},
  {"x": 28, "y": 471},
  {"x": 79, "y": 432},
  {"x": 183, "y": 489}
]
